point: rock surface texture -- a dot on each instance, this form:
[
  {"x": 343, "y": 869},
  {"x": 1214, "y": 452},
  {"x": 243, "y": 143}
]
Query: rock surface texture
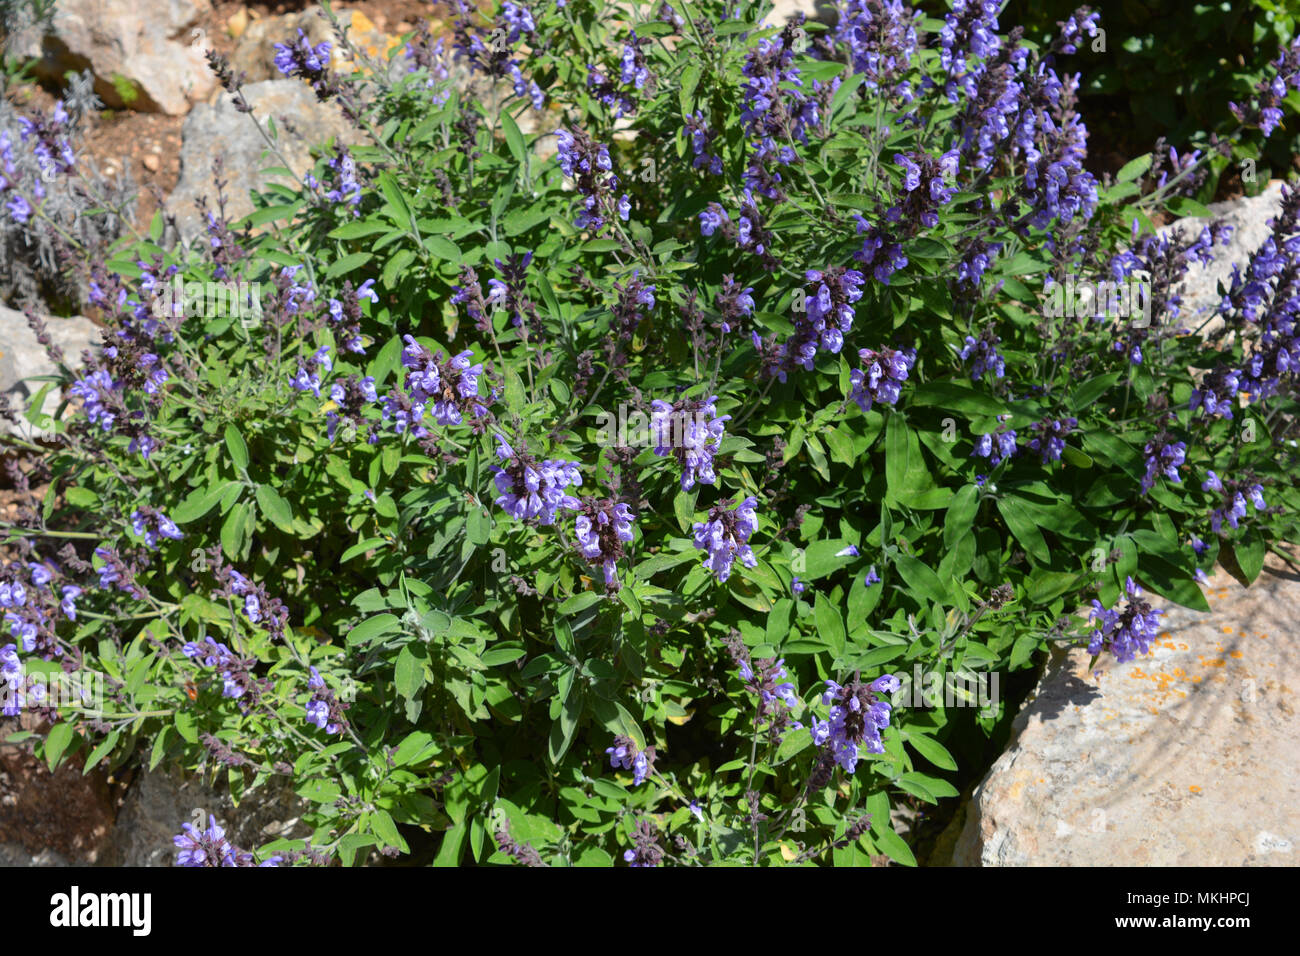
[
  {"x": 1187, "y": 757},
  {"x": 254, "y": 54},
  {"x": 157, "y": 804},
  {"x": 1249, "y": 220},
  {"x": 22, "y": 356},
  {"x": 50, "y": 819},
  {"x": 221, "y": 130},
  {"x": 145, "y": 54}
]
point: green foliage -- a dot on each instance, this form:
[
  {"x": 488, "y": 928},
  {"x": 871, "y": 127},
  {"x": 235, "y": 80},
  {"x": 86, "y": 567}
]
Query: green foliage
[
  {"x": 1169, "y": 68},
  {"x": 485, "y": 665}
]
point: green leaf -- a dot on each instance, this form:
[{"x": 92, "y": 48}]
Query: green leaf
[
  {"x": 1183, "y": 206},
  {"x": 408, "y": 673},
  {"x": 921, "y": 579},
  {"x": 386, "y": 829},
  {"x": 1174, "y": 583},
  {"x": 396, "y": 265},
  {"x": 373, "y": 627},
  {"x": 237, "y": 448},
  {"x": 393, "y": 193},
  {"x": 452, "y": 845},
  {"x": 85, "y": 498},
  {"x": 897, "y": 454},
  {"x": 275, "y": 508},
  {"x": 892, "y": 844},
  {"x": 478, "y": 526},
  {"x": 1250, "y": 552},
  {"x": 519, "y": 221},
  {"x": 932, "y": 751},
  {"x": 235, "y": 532},
  {"x": 1023, "y": 650},
  {"x": 100, "y": 752},
  {"x": 564, "y": 728},
  {"x": 514, "y": 138},
  {"x": 1023, "y": 525},
  {"x": 348, "y": 263},
  {"x": 199, "y": 502},
  {"x": 1133, "y": 168},
  {"x": 186, "y": 726},
  {"x": 830, "y": 625},
  {"x": 686, "y": 92},
  {"x": 358, "y": 230},
  {"x": 1091, "y": 390},
  {"x": 957, "y": 397},
  {"x": 793, "y": 743},
  {"x": 579, "y": 602},
  {"x": 684, "y": 508},
  {"x": 961, "y": 515},
  {"x": 444, "y": 249},
  {"x": 630, "y": 726},
  {"x": 57, "y": 741}
]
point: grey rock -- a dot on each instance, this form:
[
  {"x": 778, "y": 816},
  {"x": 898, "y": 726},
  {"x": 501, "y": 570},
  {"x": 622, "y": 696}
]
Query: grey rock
[
  {"x": 15, "y": 854},
  {"x": 143, "y": 53},
  {"x": 221, "y": 130},
  {"x": 1189, "y": 756},
  {"x": 254, "y": 53},
  {"x": 158, "y": 804},
  {"x": 1248, "y": 217},
  {"x": 22, "y": 358},
  {"x": 784, "y": 10}
]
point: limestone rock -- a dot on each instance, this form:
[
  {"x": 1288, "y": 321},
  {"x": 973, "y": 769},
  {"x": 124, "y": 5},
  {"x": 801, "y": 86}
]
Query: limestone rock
[
  {"x": 221, "y": 130},
  {"x": 143, "y": 53},
  {"x": 1248, "y": 217},
  {"x": 158, "y": 804},
  {"x": 23, "y": 357},
  {"x": 1189, "y": 756},
  {"x": 50, "y": 819},
  {"x": 783, "y": 10},
  {"x": 255, "y": 53}
]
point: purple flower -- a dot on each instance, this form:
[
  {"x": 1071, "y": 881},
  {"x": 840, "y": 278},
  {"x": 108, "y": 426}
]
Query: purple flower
[
  {"x": 309, "y": 63},
  {"x": 625, "y": 754},
  {"x": 602, "y": 529},
  {"x": 998, "y": 445},
  {"x": 587, "y": 163},
  {"x": 827, "y": 316},
  {"x": 855, "y": 720},
  {"x": 1217, "y": 393},
  {"x": 68, "y": 604},
  {"x": 881, "y": 376},
  {"x": 725, "y": 536},
  {"x": 985, "y": 355},
  {"x": 534, "y": 489},
  {"x": 712, "y": 218},
  {"x": 211, "y": 848},
  {"x": 1049, "y": 440},
  {"x": 1163, "y": 457},
  {"x": 1126, "y": 633},
  {"x": 690, "y": 430}
]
